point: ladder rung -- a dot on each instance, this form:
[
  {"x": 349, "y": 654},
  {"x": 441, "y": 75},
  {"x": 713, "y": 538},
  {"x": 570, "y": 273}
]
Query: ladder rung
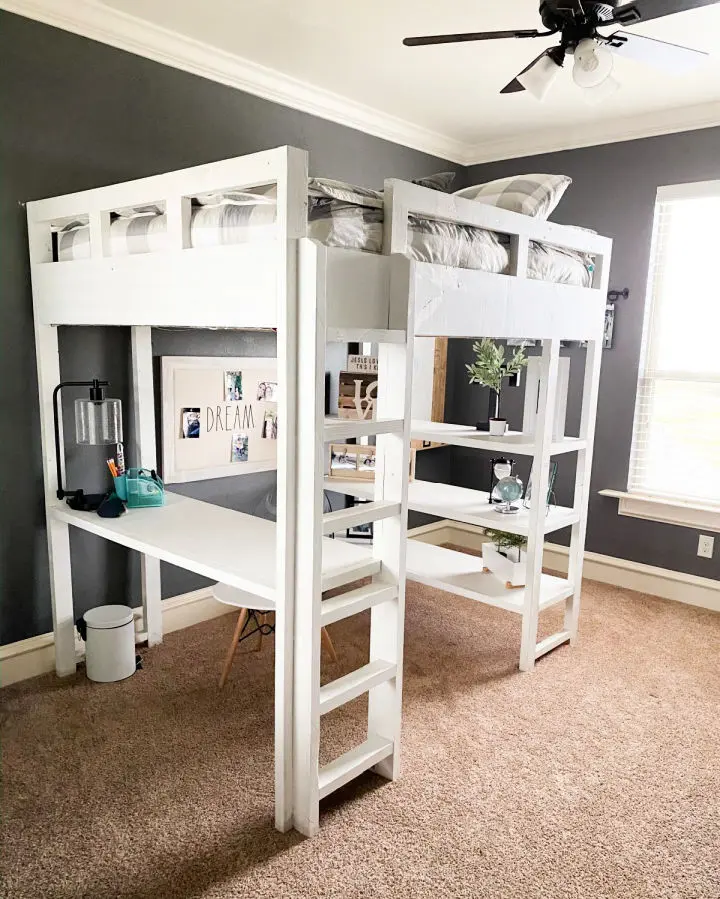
[
  {"x": 355, "y": 601},
  {"x": 365, "y": 335},
  {"x": 337, "y": 429},
  {"x": 355, "y": 572},
  {"x": 353, "y": 763},
  {"x": 550, "y": 643},
  {"x": 360, "y": 514},
  {"x": 352, "y": 685}
]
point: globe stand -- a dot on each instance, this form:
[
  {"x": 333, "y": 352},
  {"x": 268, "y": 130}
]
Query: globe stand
[{"x": 507, "y": 509}]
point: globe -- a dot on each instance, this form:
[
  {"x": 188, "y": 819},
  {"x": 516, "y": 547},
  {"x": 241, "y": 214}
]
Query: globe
[{"x": 509, "y": 489}]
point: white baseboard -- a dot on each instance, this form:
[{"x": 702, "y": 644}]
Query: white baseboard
[
  {"x": 36, "y": 655},
  {"x": 686, "y": 588}
]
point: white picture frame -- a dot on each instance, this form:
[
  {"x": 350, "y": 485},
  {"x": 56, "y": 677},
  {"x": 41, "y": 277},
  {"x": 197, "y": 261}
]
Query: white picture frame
[{"x": 201, "y": 382}]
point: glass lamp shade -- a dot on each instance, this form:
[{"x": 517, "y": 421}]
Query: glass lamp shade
[{"x": 98, "y": 422}]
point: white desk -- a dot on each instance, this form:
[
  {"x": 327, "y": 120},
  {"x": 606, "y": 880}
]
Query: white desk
[{"x": 226, "y": 546}]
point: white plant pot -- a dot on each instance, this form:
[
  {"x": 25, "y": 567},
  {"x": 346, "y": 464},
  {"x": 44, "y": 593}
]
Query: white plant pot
[
  {"x": 498, "y": 427},
  {"x": 510, "y": 568}
]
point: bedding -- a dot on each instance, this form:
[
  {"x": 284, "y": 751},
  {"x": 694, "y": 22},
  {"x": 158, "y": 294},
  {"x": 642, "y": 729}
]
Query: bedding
[
  {"x": 339, "y": 215},
  {"x": 534, "y": 195}
]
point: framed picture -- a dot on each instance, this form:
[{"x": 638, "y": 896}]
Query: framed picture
[
  {"x": 356, "y": 462},
  {"x": 361, "y": 531},
  {"x": 219, "y": 417},
  {"x": 552, "y": 477}
]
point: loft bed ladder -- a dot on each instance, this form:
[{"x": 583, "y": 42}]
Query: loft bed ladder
[{"x": 384, "y": 596}]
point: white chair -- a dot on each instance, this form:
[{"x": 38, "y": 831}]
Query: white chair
[{"x": 261, "y": 608}]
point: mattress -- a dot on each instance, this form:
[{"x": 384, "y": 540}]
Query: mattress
[{"x": 336, "y": 217}]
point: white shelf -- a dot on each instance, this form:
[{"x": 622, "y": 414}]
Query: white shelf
[
  {"x": 461, "y": 504},
  {"x": 462, "y": 574},
  {"x": 468, "y": 436},
  {"x": 221, "y": 544},
  {"x": 338, "y": 429}
]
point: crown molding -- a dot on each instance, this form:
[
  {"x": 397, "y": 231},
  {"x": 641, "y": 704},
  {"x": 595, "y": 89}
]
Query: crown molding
[
  {"x": 555, "y": 140},
  {"x": 94, "y": 20}
]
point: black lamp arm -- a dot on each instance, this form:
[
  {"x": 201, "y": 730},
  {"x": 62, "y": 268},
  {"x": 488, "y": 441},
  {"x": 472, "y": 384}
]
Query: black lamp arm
[{"x": 94, "y": 385}]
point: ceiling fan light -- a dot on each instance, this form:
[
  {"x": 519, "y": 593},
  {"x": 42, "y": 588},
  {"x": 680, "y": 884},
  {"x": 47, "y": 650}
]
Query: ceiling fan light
[
  {"x": 600, "y": 92},
  {"x": 593, "y": 64},
  {"x": 540, "y": 78}
]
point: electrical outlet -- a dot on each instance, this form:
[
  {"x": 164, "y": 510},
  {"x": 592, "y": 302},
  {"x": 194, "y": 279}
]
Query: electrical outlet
[{"x": 706, "y": 545}]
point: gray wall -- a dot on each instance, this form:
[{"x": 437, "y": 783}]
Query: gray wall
[
  {"x": 613, "y": 191},
  {"x": 75, "y": 114}
]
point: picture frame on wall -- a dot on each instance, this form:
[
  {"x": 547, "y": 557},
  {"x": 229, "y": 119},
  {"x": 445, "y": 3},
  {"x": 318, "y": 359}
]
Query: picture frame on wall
[{"x": 219, "y": 416}]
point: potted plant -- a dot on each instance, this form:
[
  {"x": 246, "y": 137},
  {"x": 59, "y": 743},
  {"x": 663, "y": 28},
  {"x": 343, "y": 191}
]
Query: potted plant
[
  {"x": 489, "y": 369},
  {"x": 505, "y": 556}
]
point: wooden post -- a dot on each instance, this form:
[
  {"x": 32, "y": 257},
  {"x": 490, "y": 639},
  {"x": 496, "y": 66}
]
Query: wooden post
[
  {"x": 291, "y": 225},
  {"x": 145, "y": 456},
  {"x": 308, "y": 550},
  {"x": 540, "y": 476},
  {"x": 387, "y": 621}
]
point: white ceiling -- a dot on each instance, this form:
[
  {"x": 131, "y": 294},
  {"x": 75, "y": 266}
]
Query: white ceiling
[{"x": 345, "y": 61}]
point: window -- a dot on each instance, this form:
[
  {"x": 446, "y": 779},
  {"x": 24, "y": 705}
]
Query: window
[{"x": 676, "y": 436}]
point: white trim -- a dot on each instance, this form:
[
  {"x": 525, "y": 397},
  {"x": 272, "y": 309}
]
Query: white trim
[
  {"x": 692, "y": 191},
  {"x": 554, "y": 140},
  {"x": 657, "y": 508},
  {"x": 36, "y": 655},
  {"x": 661, "y": 582},
  {"x": 98, "y": 22}
]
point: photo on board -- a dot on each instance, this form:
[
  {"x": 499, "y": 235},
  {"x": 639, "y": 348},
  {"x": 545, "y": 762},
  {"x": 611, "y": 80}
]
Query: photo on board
[
  {"x": 190, "y": 422},
  {"x": 269, "y": 425},
  {"x": 267, "y": 391},
  {"x": 239, "y": 447},
  {"x": 233, "y": 386}
]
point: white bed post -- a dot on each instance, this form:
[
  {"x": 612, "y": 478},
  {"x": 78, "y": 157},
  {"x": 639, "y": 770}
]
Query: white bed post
[
  {"x": 145, "y": 456},
  {"x": 549, "y": 366},
  {"x": 310, "y": 471},
  {"x": 387, "y": 622},
  {"x": 588, "y": 417},
  {"x": 58, "y": 537},
  {"x": 291, "y": 226}
]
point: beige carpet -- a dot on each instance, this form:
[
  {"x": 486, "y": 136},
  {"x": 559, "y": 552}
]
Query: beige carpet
[{"x": 596, "y": 776}]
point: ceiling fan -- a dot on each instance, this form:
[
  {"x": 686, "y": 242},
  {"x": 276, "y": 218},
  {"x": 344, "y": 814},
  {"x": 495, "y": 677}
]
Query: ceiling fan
[{"x": 577, "y": 22}]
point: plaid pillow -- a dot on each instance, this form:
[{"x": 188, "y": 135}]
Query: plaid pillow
[
  {"x": 441, "y": 181},
  {"x": 534, "y": 195}
]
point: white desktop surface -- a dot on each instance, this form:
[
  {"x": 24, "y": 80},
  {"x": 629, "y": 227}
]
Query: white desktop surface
[{"x": 221, "y": 544}]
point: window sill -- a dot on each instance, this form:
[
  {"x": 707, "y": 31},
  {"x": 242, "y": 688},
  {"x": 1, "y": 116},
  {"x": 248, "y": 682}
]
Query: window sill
[{"x": 653, "y": 508}]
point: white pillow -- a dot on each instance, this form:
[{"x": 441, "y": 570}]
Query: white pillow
[{"x": 534, "y": 195}]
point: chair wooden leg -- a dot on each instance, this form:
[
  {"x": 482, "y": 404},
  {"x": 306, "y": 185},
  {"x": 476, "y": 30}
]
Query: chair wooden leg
[
  {"x": 242, "y": 620},
  {"x": 328, "y": 643},
  {"x": 261, "y": 622}
]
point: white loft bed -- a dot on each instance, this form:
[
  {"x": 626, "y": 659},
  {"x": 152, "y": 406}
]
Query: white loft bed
[
  {"x": 311, "y": 294},
  {"x": 451, "y": 302}
]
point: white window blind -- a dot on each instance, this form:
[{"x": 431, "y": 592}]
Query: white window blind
[{"x": 676, "y": 435}]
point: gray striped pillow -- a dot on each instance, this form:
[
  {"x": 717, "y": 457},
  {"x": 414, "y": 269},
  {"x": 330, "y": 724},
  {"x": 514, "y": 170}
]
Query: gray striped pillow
[{"x": 534, "y": 195}]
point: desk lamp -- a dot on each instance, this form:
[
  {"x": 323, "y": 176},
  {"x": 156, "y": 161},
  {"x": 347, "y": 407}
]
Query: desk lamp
[{"x": 98, "y": 422}]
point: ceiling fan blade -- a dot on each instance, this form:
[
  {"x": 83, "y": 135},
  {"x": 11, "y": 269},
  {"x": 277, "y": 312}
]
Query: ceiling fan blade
[
  {"x": 470, "y": 36},
  {"x": 668, "y": 57},
  {"x": 644, "y": 10},
  {"x": 514, "y": 86}
]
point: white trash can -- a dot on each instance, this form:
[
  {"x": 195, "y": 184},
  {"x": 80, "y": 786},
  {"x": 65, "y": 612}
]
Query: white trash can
[{"x": 110, "y": 643}]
